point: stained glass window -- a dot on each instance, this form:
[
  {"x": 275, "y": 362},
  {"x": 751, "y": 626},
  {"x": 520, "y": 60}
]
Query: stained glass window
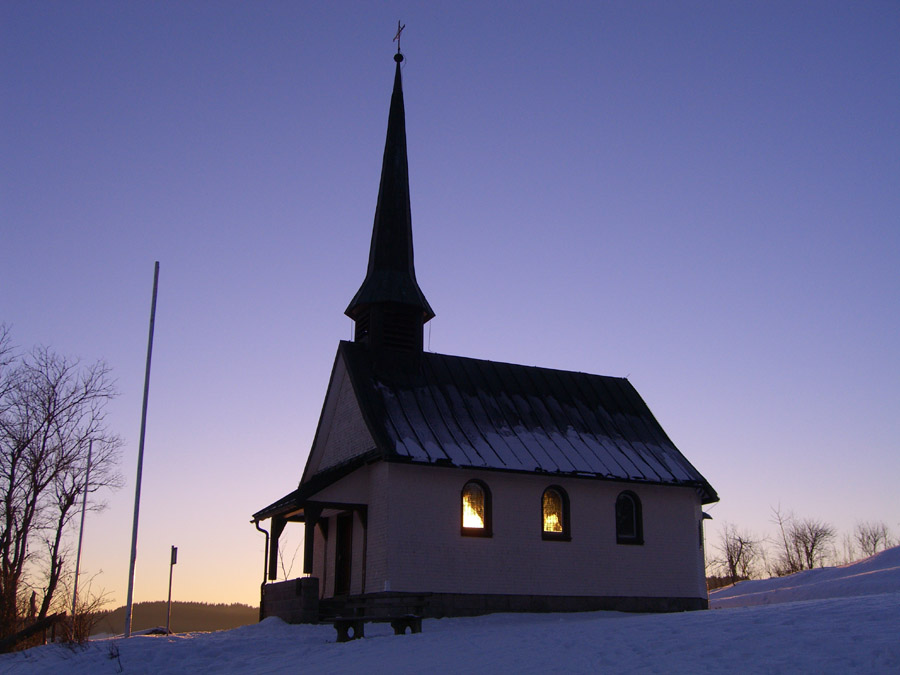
[
  {"x": 555, "y": 524},
  {"x": 553, "y": 511},
  {"x": 473, "y": 506},
  {"x": 629, "y": 528}
]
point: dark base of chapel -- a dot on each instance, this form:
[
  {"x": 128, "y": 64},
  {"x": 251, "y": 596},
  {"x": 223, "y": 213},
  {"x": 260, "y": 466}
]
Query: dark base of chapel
[{"x": 297, "y": 601}]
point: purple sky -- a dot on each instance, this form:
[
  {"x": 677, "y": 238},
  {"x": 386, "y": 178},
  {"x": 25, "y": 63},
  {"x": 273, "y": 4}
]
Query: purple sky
[{"x": 701, "y": 196}]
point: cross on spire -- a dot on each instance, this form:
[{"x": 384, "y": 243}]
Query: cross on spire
[{"x": 397, "y": 36}]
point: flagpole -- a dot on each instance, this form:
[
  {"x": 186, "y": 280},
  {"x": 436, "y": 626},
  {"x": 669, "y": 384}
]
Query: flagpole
[
  {"x": 87, "y": 481},
  {"x": 137, "y": 486}
]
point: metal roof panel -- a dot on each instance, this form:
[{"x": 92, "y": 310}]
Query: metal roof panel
[{"x": 485, "y": 414}]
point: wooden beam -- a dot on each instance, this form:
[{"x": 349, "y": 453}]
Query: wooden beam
[
  {"x": 7, "y": 644},
  {"x": 278, "y": 523}
]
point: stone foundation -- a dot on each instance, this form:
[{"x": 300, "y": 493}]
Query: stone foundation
[
  {"x": 297, "y": 601},
  {"x": 294, "y": 601}
]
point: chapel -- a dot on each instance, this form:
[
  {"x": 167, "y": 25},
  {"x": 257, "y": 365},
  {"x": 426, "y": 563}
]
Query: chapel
[{"x": 444, "y": 485}]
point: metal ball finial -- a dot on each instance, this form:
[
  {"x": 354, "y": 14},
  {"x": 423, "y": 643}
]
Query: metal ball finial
[{"x": 398, "y": 57}]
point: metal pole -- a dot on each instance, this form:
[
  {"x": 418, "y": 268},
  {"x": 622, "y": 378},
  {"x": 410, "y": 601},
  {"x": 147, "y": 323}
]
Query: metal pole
[
  {"x": 262, "y": 586},
  {"x": 137, "y": 486},
  {"x": 87, "y": 482},
  {"x": 169, "y": 604}
]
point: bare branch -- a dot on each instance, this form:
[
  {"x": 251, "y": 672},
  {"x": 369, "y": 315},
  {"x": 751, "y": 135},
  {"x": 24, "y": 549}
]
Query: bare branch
[
  {"x": 52, "y": 409},
  {"x": 810, "y": 538},
  {"x": 872, "y": 536},
  {"x": 740, "y": 552}
]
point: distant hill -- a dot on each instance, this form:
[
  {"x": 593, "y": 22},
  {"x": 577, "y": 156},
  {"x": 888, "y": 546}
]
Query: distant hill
[
  {"x": 186, "y": 616},
  {"x": 876, "y": 575}
]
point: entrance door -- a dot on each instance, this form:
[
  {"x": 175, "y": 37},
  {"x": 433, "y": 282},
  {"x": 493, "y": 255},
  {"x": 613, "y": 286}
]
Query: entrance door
[{"x": 343, "y": 554}]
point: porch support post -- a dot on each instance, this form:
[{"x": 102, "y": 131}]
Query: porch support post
[
  {"x": 311, "y": 517},
  {"x": 278, "y": 524},
  {"x": 363, "y": 514}
]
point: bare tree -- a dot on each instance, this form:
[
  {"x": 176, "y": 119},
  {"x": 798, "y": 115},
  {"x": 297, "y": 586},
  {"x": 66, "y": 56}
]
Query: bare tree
[
  {"x": 804, "y": 543},
  {"x": 739, "y": 550},
  {"x": 89, "y": 610},
  {"x": 51, "y": 410},
  {"x": 810, "y": 538},
  {"x": 788, "y": 558},
  {"x": 287, "y": 566},
  {"x": 871, "y": 536},
  {"x": 847, "y": 552}
]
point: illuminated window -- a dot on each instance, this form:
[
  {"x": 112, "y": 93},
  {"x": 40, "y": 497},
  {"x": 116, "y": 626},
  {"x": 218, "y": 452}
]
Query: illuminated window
[
  {"x": 476, "y": 509},
  {"x": 473, "y": 506},
  {"x": 555, "y": 514},
  {"x": 629, "y": 525}
]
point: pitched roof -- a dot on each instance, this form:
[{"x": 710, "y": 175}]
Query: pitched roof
[
  {"x": 391, "y": 275},
  {"x": 464, "y": 412}
]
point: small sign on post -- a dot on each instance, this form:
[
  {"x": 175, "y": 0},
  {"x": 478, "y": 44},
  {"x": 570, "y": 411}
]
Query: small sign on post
[{"x": 169, "y": 604}]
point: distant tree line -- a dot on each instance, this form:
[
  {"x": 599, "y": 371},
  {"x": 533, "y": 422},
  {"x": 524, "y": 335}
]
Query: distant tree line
[
  {"x": 799, "y": 544},
  {"x": 186, "y": 616}
]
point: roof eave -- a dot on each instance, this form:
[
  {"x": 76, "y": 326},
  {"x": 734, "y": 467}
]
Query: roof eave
[{"x": 316, "y": 483}]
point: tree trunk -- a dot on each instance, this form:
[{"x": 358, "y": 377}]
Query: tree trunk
[{"x": 56, "y": 559}]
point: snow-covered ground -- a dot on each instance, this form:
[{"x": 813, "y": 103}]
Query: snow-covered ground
[
  {"x": 834, "y": 620},
  {"x": 872, "y": 576}
]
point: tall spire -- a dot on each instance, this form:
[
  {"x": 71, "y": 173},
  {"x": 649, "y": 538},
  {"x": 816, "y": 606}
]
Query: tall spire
[{"x": 390, "y": 304}]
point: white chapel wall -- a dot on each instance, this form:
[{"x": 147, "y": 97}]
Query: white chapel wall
[
  {"x": 426, "y": 551},
  {"x": 366, "y": 486}
]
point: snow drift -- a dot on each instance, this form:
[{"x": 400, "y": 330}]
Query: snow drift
[
  {"x": 768, "y": 626},
  {"x": 872, "y": 576}
]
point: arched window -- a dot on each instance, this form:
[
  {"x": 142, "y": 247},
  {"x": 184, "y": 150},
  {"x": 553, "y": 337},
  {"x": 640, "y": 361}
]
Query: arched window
[
  {"x": 555, "y": 514},
  {"x": 475, "y": 502},
  {"x": 629, "y": 523}
]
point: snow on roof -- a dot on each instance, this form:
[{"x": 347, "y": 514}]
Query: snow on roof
[{"x": 484, "y": 414}]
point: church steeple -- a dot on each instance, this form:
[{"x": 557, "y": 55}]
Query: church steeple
[{"x": 389, "y": 309}]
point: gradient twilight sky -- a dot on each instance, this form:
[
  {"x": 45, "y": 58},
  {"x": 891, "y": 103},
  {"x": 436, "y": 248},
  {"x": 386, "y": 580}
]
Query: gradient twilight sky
[{"x": 701, "y": 196}]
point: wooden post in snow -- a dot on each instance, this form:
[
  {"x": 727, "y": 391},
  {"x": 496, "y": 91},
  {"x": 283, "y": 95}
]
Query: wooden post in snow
[{"x": 169, "y": 603}]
